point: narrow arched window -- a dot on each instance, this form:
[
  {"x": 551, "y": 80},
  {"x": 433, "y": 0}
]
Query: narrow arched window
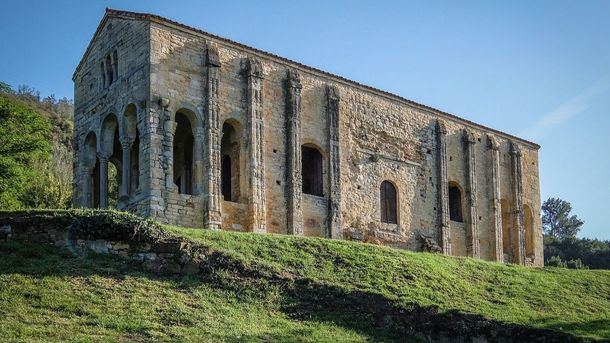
[
  {"x": 388, "y": 203},
  {"x": 230, "y": 146},
  {"x": 455, "y": 203},
  {"x": 225, "y": 177},
  {"x": 183, "y": 154},
  {"x": 115, "y": 65},
  {"x": 109, "y": 72},
  {"x": 311, "y": 171},
  {"x": 103, "y": 75}
]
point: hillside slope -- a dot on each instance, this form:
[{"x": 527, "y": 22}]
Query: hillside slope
[
  {"x": 575, "y": 301},
  {"x": 281, "y": 288}
]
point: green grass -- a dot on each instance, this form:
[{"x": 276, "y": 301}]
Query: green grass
[
  {"x": 574, "y": 301},
  {"x": 54, "y": 295},
  {"x": 281, "y": 288}
]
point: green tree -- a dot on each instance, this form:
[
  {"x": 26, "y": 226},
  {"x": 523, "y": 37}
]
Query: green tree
[
  {"x": 556, "y": 219},
  {"x": 5, "y": 88},
  {"x": 23, "y": 141}
]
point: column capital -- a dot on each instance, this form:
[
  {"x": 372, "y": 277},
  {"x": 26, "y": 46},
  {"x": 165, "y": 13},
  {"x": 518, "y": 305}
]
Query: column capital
[
  {"x": 492, "y": 142},
  {"x": 468, "y": 136},
  {"x": 126, "y": 142},
  {"x": 211, "y": 56},
  {"x": 293, "y": 81},
  {"x": 332, "y": 93},
  {"x": 515, "y": 150},
  {"x": 102, "y": 157},
  {"x": 164, "y": 102},
  {"x": 254, "y": 68},
  {"x": 441, "y": 127}
]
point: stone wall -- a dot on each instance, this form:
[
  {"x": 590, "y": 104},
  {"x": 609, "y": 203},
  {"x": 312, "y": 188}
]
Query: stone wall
[
  {"x": 104, "y": 233},
  {"x": 365, "y": 137}
]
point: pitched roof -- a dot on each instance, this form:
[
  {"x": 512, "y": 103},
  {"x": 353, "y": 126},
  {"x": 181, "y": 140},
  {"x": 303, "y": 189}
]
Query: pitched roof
[{"x": 168, "y": 22}]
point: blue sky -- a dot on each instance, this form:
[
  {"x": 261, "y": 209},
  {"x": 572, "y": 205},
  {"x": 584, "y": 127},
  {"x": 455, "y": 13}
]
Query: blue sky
[{"x": 537, "y": 69}]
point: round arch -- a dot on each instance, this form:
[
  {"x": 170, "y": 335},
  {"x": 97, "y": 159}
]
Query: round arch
[
  {"x": 231, "y": 154},
  {"x": 107, "y": 134},
  {"x": 312, "y": 169},
  {"x": 456, "y": 202},
  {"x": 388, "y": 198},
  {"x": 190, "y": 112}
]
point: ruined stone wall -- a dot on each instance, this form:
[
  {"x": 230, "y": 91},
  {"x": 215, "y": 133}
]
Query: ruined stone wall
[{"x": 364, "y": 136}]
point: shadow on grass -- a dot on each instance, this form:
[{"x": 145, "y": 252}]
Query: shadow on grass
[{"x": 367, "y": 313}]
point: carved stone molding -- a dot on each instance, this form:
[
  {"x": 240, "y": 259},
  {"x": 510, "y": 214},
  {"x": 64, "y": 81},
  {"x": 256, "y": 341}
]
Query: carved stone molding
[
  {"x": 494, "y": 151},
  {"x": 212, "y": 217},
  {"x": 257, "y": 220},
  {"x": 334, "y": 210},
  {"x": 443, "y": 188},
  {"x": 293, "y": 153},
  {"x": 517, "y": 188},
  {"x": 472, "y": 233}
]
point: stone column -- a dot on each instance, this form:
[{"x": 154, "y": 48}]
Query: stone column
[
  {"x": 103, "y": 159},
  {"x": 472, "y": 233},
  {"x": 125, "y": 171},
  {"x": 334, "y": 175},
  {"x": 212, "y": 216},
  {"x": 198, "y": 141},
  {"x": 255, "y": 145},
  {"x": 293, "y": 153},
  {"x": 87, "y": 195},
  {"x": 494, "y": 150},
  {"x": 443, "y": 188},
  {"x": 519, "y": 240},
  {"x": 168, "y": 152}
]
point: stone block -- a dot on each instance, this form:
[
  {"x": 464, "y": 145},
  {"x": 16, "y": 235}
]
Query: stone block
[{"x": 168, "y": 246}]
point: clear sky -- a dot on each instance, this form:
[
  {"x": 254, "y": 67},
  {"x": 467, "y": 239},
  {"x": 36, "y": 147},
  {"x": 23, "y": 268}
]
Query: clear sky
[{"x": 537, "y": 69}]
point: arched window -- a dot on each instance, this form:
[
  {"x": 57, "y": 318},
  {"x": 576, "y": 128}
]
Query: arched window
[
  {"x": 226, "y": 177},
  {"x": 130, "y": 130},
  {"x": 111, "y": 148},
  {"x": 109, "y": 73},
  {"x": 311, "y": 171},
  {"x": 103, "y": 74},
  {"x": 388, "y": 203},
  {"x": 115, "y": 65},
  {"x": 455, "y": 203},
  {"x": 230, "y": 146},
  {"x": 183, "y": 154}
]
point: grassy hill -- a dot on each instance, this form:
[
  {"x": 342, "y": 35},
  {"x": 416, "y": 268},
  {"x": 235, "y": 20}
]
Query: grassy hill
[{"x": 282, "y": 288}]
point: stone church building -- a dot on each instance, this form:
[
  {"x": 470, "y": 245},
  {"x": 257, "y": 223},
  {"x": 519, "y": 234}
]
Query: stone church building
[{"x": 202, "y": 131}]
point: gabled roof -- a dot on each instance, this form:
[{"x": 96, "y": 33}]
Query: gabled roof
[{"x": 171, "y": 23}]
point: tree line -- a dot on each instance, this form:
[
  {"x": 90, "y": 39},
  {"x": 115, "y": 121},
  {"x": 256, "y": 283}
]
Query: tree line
[
  {"x": 561, "y": 246},
  {"x": 35, "y": 149}
]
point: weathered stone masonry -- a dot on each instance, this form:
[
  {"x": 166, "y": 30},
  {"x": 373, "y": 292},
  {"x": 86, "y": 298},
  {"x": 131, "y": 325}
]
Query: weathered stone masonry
[{"x": 206, "y": 132}]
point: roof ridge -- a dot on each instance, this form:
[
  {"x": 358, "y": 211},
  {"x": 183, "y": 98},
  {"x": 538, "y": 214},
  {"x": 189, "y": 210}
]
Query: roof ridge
[{"x": 163, "y": 20}]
